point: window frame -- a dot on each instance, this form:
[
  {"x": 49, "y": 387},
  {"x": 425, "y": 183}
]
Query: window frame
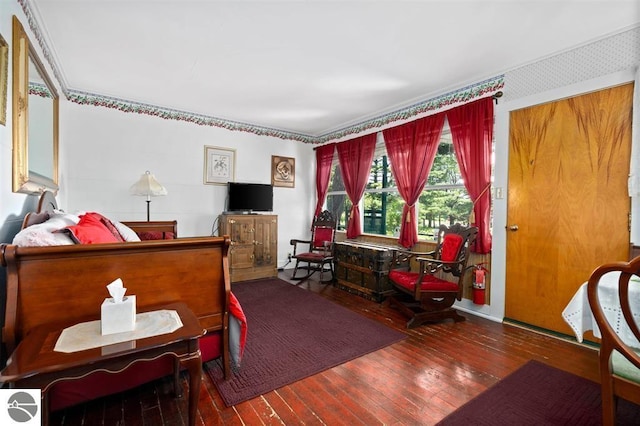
[{"x": 379, "y": 152}]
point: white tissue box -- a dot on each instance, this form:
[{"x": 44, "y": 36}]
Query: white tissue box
[{"x": 118, "y": 317}]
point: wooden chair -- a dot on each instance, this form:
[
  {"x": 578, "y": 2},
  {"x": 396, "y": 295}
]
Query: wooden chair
[
  {"x": 318, "y": 251},
  {"x": 428, "y": 295},
  {"x": 619, "y": 347}
]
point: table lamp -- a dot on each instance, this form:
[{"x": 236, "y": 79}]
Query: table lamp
[{"x": 148, "y": 186}]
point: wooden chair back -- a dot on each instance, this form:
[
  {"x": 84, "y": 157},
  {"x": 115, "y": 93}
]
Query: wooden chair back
[
  {"x": 619, "y": 358},
  {"x": 323, "y": 232},
  {"x": 454, "y": 243}
]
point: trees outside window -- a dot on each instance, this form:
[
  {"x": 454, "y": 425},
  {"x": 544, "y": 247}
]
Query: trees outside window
[{"x": 444, "y": 199}]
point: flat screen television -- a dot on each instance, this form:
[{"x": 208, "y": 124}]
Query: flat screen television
[{"x": 249, "y": 197}]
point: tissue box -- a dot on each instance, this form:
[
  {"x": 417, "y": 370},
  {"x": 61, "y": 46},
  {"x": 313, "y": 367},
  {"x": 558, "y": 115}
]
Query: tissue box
[{"x": 118, "y": 317}]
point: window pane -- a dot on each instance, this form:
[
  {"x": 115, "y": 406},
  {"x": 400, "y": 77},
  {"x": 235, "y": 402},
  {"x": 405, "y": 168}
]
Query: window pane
[
  {"x": 382, "y": 211},
  {"x": 445, "y": 170},
  {"x": 380, "y": 175},
  {"x": 442, "y": 206},
  {"x": 340, "y": 206},
  {"x": 335, "y": 181},
  {"x": 444, "y": 199}
]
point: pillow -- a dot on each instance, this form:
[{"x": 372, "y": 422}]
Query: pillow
[
  {"x": 109, "y": 225},
  {"x": 156, "y": 235},
  {"x": 127, "y": 233},
  {"x": 91, "y": 230},
  {"x": 44, "y": 234}
]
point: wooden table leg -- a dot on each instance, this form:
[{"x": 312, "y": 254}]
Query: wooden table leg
[
  {"x": 194, "y": 366},
  {"x": 44, "y": 407},
  {"x": 177, "y": 389}
]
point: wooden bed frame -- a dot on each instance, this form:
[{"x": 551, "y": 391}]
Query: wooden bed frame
[
  {"x": 160, "y": 226},
  {"x": 67, "y": 284}
]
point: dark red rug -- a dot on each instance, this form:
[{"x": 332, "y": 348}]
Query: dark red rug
[
  {"x": 292, "y": 334},
  {"x": 537, "y": 394}
]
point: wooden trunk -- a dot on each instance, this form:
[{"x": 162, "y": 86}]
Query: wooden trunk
[{"x": 363, "y": 268}]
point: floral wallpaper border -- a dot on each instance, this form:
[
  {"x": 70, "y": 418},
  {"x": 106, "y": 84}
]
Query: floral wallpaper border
[
  {"x": 465, "y": 94},
  {"x": 460, "y": 96},
  {"x": 39, "y": 89}
]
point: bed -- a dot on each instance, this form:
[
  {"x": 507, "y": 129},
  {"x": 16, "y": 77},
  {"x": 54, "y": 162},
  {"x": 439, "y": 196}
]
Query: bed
[{"x": 67, "y": 283}]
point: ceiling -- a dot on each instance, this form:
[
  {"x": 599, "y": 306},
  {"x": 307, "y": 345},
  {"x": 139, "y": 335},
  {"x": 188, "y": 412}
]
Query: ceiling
[{"x": 303, "y": 66}]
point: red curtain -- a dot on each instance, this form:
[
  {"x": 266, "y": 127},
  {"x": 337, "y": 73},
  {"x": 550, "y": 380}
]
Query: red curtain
[
  {"x": 472, "y": 133},
  {"x": 324, "y": 157},
  {"x": 355, "y": 158},
  {"x": 411, "y": 149}
]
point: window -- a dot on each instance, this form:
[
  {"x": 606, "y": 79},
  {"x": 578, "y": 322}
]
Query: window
[{"x": 444, "y": 199}]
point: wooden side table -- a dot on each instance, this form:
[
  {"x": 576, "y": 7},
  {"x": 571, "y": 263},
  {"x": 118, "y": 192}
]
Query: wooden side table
[{"x": 34, "y": 364}]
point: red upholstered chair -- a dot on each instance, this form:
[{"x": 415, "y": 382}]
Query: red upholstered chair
[
  {"x": 315, "y": 254},
  {"x": 428, "y": 294}
]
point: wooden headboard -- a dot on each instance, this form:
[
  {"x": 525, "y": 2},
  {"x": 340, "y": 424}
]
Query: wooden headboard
[
  {"x": 163, "y": 227},
  {"x": 47, "y": 204}
]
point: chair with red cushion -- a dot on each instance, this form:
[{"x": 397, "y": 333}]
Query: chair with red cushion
[
  {"x": 315, "y": 254},
  {"x": 429, "y": 294}
]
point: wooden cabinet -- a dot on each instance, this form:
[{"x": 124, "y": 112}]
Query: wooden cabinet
[{"x": 254, "y": 245}]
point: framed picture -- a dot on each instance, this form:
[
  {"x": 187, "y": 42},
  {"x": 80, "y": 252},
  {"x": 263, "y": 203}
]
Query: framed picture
[
  {"x": 4, "y": 76},
  {"x": 283, "y": 171},
  {"x": 219, "y": 165}
]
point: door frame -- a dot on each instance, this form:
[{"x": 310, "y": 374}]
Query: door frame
[{"x": 496, "y": 310}]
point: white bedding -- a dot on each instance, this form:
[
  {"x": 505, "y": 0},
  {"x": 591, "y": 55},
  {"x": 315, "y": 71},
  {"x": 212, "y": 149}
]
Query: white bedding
[{"x": 47, "y": 233}]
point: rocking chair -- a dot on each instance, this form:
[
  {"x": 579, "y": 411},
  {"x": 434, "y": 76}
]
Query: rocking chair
[
  {"x": 426, "y": 296},
  {"x": 319, "y": 250}
]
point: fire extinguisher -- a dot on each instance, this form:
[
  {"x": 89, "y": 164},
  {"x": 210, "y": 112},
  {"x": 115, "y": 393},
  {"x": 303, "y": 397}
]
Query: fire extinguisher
[{"x": 479, "y": 286}]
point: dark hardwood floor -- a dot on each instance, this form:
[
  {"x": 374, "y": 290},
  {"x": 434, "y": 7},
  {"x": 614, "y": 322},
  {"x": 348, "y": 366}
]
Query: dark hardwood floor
[{"x": 418, "y": 381}]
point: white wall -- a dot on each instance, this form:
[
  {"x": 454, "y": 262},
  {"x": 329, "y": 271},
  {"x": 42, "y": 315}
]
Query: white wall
[{"x": 105, "y": 151}]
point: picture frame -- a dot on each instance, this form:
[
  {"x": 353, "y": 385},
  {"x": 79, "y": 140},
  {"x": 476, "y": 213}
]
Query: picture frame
[
  {"x": 4, "y": 77},
  {"x": 283, "y": 171},
  {"x": 219, "y": 165}
]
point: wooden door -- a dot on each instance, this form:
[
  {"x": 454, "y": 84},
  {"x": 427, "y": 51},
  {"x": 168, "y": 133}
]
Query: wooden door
[{"x": 568, "y": 205}]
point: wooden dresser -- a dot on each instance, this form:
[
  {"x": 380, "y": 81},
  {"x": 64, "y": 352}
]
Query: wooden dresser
[{"x": 254, "y": 245}]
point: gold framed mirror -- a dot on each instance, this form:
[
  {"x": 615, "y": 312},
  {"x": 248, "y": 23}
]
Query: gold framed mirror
[{"x": 35, "y": 119}]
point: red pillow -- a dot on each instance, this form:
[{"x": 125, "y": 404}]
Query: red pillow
[
  {"x": 110, "y": 226},
  {"x": 90, "y": 230},
  {"x": 155, "y": 235},
  {"x": 450, "y": 247}
]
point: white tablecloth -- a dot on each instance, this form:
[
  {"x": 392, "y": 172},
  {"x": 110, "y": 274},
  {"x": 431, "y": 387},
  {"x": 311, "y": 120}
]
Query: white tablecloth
[
  {"x": 87, "y": 335},
  {"x": 580, "y": 318}
]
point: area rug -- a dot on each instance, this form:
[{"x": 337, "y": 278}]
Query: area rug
[
  {"x": 537, "y": 394},
  {"x": 292, "y": 334}
]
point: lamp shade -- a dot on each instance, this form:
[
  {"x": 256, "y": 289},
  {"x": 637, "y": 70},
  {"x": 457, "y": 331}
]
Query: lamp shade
[{"x": 147, "y": 186}]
